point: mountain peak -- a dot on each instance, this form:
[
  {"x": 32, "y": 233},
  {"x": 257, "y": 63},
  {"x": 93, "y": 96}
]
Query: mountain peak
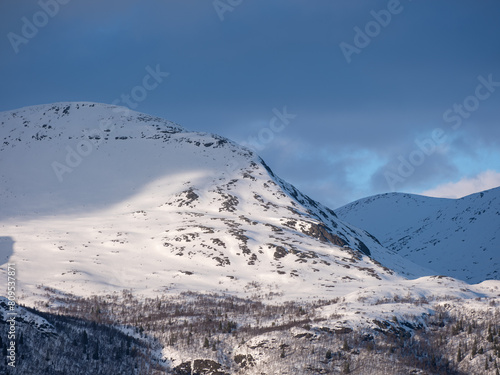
[{"x": 118, "y": 198}]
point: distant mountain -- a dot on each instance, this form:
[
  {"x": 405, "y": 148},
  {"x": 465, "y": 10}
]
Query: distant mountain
[{"x": 454, "y": 237}]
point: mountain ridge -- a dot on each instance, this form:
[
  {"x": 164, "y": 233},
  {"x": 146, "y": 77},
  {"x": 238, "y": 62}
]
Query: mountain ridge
[
  {"x": 454, "y": 237},
  {"x": 151, "y": 206}
]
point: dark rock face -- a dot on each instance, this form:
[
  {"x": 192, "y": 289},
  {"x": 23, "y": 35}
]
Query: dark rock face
[
  {"x": 244, "y": 360},
  {"x": 363, "y": 248},
  {"x": 200, "y": 367},
  {"x": 321, "y": 232}
]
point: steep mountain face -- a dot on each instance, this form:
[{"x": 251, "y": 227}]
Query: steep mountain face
[
  {"x": 97, "y": 198},
  {"x": 454, "y": 237}
]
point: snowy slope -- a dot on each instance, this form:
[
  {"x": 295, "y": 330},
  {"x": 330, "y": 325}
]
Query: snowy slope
[
  {"x": 20, "y": 314},
  {"x": 96, "y": 198},
  {"x": 453, "y": 237}
]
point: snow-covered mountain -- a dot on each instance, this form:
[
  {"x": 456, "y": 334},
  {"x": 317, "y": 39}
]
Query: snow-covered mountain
[
  {"x": 454, "y": 237},
  {"x": 120, "y": 218},
  {"x": 97, "y": 198}
]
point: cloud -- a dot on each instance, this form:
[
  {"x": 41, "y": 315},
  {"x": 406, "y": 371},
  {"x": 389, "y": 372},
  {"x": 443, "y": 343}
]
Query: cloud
[
  {"x": 354, "y": 121},
  {"x": 466, "y": 186}
]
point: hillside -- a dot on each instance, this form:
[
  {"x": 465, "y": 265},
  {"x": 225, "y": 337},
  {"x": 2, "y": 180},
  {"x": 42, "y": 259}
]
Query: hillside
[
  {"x": 117, "y": 199},
  {"x": 454, "y": 237},
  {"x": 187, "y": 249}
]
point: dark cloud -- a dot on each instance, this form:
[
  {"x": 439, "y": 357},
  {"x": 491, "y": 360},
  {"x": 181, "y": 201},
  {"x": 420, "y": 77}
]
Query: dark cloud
[{"x": 353, "y": 119}]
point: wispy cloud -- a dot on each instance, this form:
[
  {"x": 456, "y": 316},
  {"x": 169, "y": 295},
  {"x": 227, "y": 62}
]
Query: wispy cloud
[{"x": 483, "y": 181}]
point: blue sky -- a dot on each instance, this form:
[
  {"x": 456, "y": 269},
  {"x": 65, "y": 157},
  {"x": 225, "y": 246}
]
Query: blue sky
[{"x": 374, "y": 96}]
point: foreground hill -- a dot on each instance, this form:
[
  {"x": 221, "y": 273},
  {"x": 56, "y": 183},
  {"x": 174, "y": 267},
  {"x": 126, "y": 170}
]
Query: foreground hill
[{"x": 454, "y": 237}]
